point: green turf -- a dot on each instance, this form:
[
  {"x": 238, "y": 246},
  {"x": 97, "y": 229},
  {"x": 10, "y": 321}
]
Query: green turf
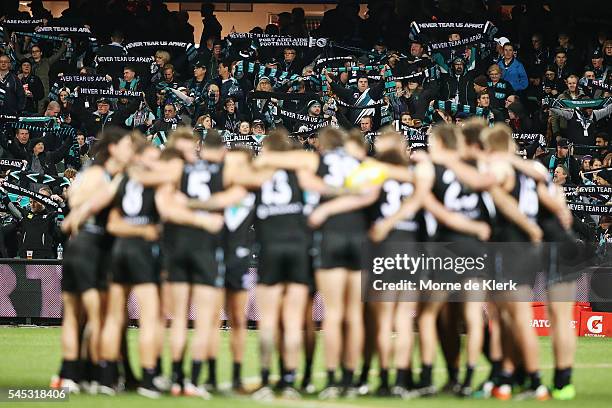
[{"x": 31, "y": 355}]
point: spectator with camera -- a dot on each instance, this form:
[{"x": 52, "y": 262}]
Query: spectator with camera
[{"x": 37, "y": 227}]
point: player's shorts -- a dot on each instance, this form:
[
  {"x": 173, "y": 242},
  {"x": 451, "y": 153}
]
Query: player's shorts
[
  {"x": 563, "y": 256},
  {"x": 135, "y": 261},
  {"x": 336, "y": 249},
  {"x": 237, "y": 264},
  {"x": 195, "y": 258},
  {"x": 284, "y": 262},
  {"x": 86, "y": 263}
]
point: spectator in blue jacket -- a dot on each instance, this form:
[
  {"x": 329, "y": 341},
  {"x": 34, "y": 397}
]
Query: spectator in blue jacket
[{"x": 512, "y": 70}]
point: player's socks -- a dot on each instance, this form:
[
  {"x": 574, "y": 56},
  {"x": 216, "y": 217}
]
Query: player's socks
[
  {"x": 236, "y": 374},
  {"x": 196, "y": 369},
  {"x": 347, "y": 377},
  {"x": 306, "y": 379},
  {"x": 70, "y": 370},
  {"x": 384, "y": 378},
  {"x": 158, "y": 367},
  {"x": 496, "y": 368},
  {"x": 404, "y": 378},
  {"x": 331, "y": 377},
  {"x": 469, "y": 373},
  {"x": 289, "y": 378},
  {"x": 453, "y": 374},
  {"x": 212, "y": 372},
  {"x": 520, "y": 376},
  {"x": 562, "y": 377},
  {"x": 425, "y": 380},
  {"x": 108, "y": 373},
  {"x": 265, "y": 377},
  {"x": 177, "y": 372},
  {"x": 147, "y": 377},
  {"x": 363, "y": 375}
]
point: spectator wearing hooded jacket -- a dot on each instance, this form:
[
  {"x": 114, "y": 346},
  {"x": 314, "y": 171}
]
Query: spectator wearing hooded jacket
[
  {"x": 456, "y": 85},
  {"x": 512, "y": 70}
]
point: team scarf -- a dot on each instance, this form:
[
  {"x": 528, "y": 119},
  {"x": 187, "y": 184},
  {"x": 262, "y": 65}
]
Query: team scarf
[
  {"x": 112, "y": 93},
  {"x": 423, "y": 30},
  {"x": 82, "y": 81},
  {"x": 462, "y": 43},
  {"x": 70, "y": 46},
  {"x": 260, "y": 70},
  {"x": 596, "y": 171},
  {"x": 366, "y": 68},
  {"x": 296, "y": 117},
  {"x": 600, "y": 84},
  {"x": 528, "y": 137},
  {"x": 358, "y": 107},
  {"x": 588, "y": 192},
  {"x": 33, "y": 195},
  {"x": 282, "y": 96},
  {"x": 590, "y": 209},
  {"x": 588, "y": 189},
  {"x": 72, "y": 31},
  {"x": 12, "y": 164},
  {"x": 122, "y": 60},
  {"x": 321, "y": 61},
  {"x": 22, "y": 24},
  {"x": 64, "y": 131},
  {"x": 143, "y": 46},
  {"x": 577, "y": 103},
  {"x": 21, "y": 176},
  {"x": 416, "y": 137},
  {"x": 454, "y": 108},
  {"x": 8, "y": 118},
  {"x": 431, "y": 73},
  {"x": 42, "y": 37},
  {"x": 270, "y": 40}
]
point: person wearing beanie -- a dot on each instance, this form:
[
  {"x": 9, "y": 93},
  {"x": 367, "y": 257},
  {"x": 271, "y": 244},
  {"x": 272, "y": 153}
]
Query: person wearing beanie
[
  {"x": 480, "y": 85},
  {"x": 561, "y": 156},
  {"x": 518, "y": 118},
  {"x": 43, "y": 162},
  {"x": 456, "y": 85}
]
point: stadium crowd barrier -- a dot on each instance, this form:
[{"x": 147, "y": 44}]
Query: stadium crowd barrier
[{"x": 30, "y": 292}]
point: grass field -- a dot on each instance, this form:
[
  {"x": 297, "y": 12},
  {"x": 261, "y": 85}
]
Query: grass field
[{"x": 31, "y": 355}]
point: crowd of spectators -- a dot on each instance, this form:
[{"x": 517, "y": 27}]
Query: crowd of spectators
[{"x": 133, "y": 64}]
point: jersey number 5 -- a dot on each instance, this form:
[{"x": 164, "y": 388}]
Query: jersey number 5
[{"x": 197, "y": 185}]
